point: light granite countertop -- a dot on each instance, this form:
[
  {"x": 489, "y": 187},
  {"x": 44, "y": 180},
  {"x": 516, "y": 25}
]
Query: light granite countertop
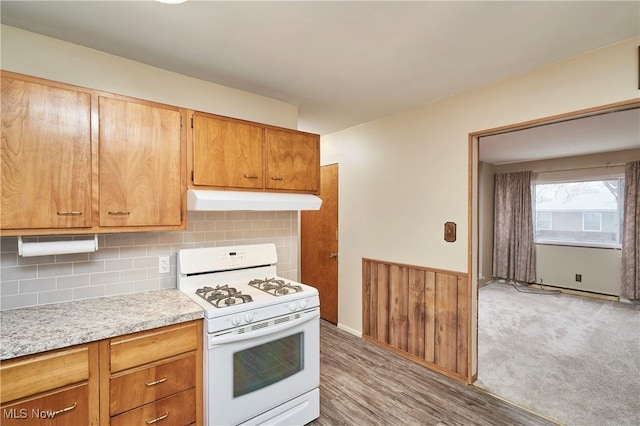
[{"x": 36, "y": 329}]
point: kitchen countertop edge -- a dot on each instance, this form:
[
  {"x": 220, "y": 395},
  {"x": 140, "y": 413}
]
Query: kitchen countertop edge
[{"x": 36, "y": 329}]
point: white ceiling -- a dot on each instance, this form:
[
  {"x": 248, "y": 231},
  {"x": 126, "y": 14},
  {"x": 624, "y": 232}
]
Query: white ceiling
[
  {"x": 615, "y": 131},
  {"x": 342, "y": 63}
]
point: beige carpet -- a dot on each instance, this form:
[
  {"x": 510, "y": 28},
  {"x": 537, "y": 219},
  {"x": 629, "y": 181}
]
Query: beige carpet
[{"x": 572, "y": 359}]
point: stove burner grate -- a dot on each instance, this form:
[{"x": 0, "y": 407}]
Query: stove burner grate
[
  {"x": 223, "y": 296},
  {"x": 275, "y": 286}
]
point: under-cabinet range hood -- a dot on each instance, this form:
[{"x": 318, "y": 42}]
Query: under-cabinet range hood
[{"x": 209, "y": 200}]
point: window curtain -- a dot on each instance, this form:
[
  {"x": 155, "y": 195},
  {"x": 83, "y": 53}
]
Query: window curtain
[
  {"x": 631, "y": 232},
  {"x": 513, "y": 240}
]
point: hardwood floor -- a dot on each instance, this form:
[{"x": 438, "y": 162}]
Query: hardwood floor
[{"x": 362, "y": 384}]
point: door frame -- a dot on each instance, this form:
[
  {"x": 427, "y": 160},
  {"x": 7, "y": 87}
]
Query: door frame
[{"x": 473, "y": 236}]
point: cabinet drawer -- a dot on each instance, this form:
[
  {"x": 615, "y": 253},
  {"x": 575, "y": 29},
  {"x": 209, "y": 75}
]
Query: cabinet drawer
[
  {"x": 176, "y": 410},
  {"x": 149, "y": 346},
  {"x": 63, "y": 408},
  {"x": 39, "y": 373},
  {"x": 140, "y": 387}
]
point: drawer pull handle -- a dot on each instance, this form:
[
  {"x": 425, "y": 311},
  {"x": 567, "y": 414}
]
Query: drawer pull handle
[
  {"x": 156, "y": 382},
  {"x": 119, "y": 213},
  {"x": 69, "y": 213},
  {"x": 250, "y": 176},
  {"x": 157, "y": 419},
  {"x": 64, "y": 410},
  {"x": 276, "y": 178}
]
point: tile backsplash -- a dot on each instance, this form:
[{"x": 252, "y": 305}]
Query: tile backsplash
[{"x": 128, "y": 262}]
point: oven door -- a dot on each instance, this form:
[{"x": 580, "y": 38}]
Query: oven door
[{"x": 262, "y": 367}]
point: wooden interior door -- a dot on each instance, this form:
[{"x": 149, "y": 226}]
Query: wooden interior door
[{"x": 319, "y": 245}]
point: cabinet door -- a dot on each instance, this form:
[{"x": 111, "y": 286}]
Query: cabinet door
[
  {"x": 227, "y": 153},
  {"x": 46, "y": 156},
  {"x": 61, "y": 408},
  {"x": 293, "y": 161},
  {"x": 136, "y": 388},
  {"x": 176, "y": 410},
  {"x": 140, "y": 157}
]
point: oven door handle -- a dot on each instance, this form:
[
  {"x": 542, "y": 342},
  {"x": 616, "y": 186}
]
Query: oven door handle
[{"x": 216, "y": 341}]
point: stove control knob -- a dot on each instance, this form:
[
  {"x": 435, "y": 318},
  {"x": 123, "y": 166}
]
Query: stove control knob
[
  {"x": 248, "y": 317},
  {"x": 302, "y": 304},
  {"x": 235, "y": 320},
  {"x": 293, "y": 306}
]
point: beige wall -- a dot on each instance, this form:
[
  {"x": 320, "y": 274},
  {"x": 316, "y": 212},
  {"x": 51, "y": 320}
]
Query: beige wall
[
  {"x": 40, "y": 56},
  {"x": 600, "y": 268},
  {"x": 403, "y": 176},
  {"x": 486, "y": 173}
]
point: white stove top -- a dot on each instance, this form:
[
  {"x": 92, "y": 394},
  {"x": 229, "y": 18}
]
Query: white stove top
[{"x": 235, "y": 267}]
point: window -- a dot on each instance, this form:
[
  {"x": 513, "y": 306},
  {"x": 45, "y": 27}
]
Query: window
[
  {"x": 592, "y": 221},
  {"x": 543, "y": 221},
  {"x": 582, "y": 213}
]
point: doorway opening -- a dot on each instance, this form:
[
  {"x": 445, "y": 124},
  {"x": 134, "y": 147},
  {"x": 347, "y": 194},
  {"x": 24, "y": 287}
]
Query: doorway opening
[{"x": 478, "y": 251}]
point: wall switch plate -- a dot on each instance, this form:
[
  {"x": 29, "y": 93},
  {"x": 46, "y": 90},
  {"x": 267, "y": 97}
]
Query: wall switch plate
[
  {"x": 163, "y": 265},
  {"x": 449, "y": 232}
]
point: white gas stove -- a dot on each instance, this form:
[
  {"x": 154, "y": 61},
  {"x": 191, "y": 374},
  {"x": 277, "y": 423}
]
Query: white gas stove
[{"x": 261, "y": 332}]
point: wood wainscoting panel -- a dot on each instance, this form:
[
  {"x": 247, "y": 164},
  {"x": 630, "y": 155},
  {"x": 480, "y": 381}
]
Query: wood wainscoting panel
[
  {"x": 417, "y": 313},
  {"x": 420, "y": 313},
  {"x": 430, "y": 317},
  {"x": 446, "y": 321},
  {"x": 382, "y": 313},
  {"x": 398, "y": 304}
]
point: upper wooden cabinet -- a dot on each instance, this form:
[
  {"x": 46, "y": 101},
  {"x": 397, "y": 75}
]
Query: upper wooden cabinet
[
  {"x": 227, "y": 153},
  {"x": 77, "y": 160},
  {"x": 292, "y": 160},
  {"x": 140, "y": 164},
  {"x": 234, "y": 154},
  {"x": 46, "y": 156}
]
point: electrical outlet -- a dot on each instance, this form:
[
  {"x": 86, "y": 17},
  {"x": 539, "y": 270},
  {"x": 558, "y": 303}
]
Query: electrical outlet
[
  {"x": 579, "y": 278},
  {"x": 163, "y": 265}
]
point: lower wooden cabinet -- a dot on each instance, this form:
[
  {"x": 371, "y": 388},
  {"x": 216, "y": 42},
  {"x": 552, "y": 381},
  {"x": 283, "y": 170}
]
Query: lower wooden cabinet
[
  {"x": 175, "y": 410},
  {"x": 143, "y": 378},
  {"x": 63, "y": 407},
  {"x": 52, "y": 388},
  {"x": 139, "y": 387},
  {"x": 153, "y": 377}
]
